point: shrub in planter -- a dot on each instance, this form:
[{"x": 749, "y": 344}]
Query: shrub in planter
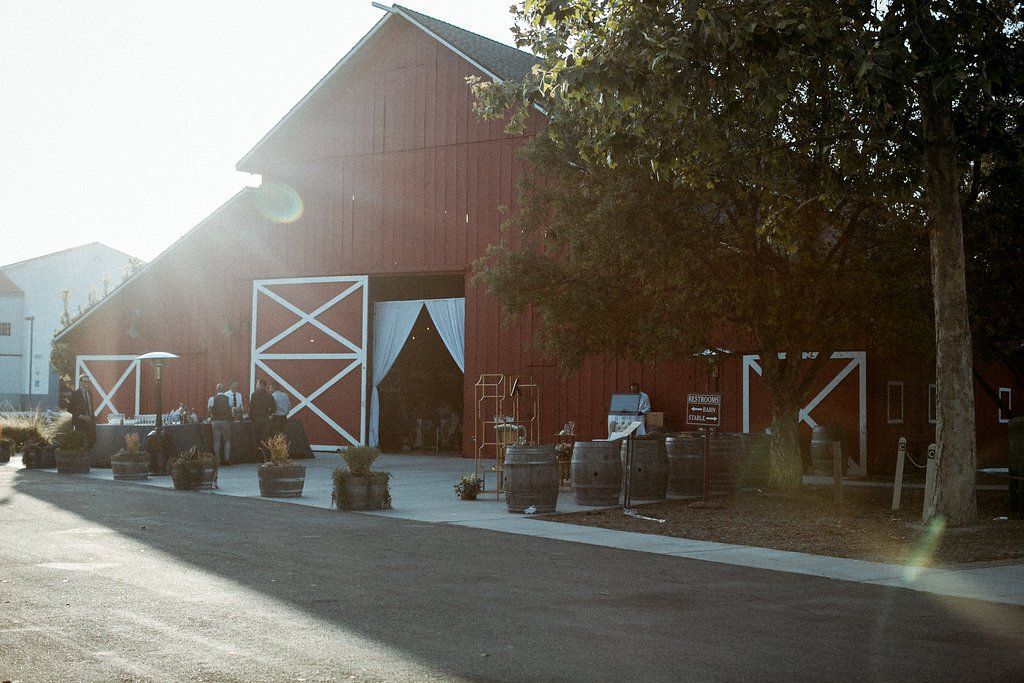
[
  {"x": 73, "y": 454},
  {"x": 280, "y": 476},
  {"x": 193, "y": 470},
  {"x": 6, "y": 447},
  {"x": 130, "y": 463},
  {"x": 357, "y": 487},
  {"x": 38, "y": 455},
  {"x": 23, "y": 429}
]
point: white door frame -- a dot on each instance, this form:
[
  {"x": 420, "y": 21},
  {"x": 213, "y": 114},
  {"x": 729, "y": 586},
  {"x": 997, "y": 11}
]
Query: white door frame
[
  {"x": 857, "y": 361},
  {"x": 82, "y": 368},
  {"x": 356, "y": 354}
]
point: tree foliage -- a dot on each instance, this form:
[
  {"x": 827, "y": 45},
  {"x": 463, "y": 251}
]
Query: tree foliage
[{"x": 829, "y": 109}]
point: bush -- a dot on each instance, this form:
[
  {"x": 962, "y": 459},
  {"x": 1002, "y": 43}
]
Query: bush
[
  {"x": 73, "y": 441},
  {"x": 23, "y": 429},
  {"x": 360, "y": 458}
]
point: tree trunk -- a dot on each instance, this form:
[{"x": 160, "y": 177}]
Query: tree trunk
[
  {"x": 781, "y": 379},
  {"x": 787, "y": 465},
  {"x": 956, "y": 458}
]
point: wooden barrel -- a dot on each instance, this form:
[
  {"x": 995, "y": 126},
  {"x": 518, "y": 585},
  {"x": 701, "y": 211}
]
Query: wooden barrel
[
  {"x": 281, "y": 481},
  {"x": 648, "y": 478},
  {"x": 531, "y": 478},
  {"x": 685, "y": 464},
  {"x": 73, "y": 462},
  {"x": 130, "y": 466},
  {"x": 822, "y": 439},
  {"x": 596, "y": 472},
  {"x": 725, "y": 453},
  {"x": 755, "y": 464}
]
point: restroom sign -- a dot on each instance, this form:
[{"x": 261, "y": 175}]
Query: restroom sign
[{"x": 704, "y": 410}]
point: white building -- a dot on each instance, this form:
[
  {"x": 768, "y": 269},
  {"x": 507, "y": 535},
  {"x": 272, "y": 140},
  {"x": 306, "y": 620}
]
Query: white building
[{"x": 30, "y": 311}]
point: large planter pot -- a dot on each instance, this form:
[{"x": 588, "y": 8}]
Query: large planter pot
[
  {"x": 73, "y": 462},
  {"x": 6, "y": 450},
  {"x": 130, "y": 465},
  {"x": 36, "y": 456},
  {"x": 281, "y": 481},
  {"x": 191, "y": 475},
  {"x": 363, "y": 492}
]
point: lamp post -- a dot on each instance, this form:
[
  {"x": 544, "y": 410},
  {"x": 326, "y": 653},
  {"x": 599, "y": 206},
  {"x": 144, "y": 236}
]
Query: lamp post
[
  {"x": 31, "y": 351},
  {"x": 155, "y": 443}
]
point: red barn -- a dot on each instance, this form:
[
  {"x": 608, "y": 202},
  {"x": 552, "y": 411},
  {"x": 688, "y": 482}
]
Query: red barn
[{"x": 347, "y": 278}]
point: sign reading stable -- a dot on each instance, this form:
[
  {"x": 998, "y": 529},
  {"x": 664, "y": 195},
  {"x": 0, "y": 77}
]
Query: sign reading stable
[{"x": 704, "y": 409}]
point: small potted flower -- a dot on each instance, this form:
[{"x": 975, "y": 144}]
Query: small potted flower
[
  {"x": 280, "y": 476},
  {"x": 469, "y": 486}
]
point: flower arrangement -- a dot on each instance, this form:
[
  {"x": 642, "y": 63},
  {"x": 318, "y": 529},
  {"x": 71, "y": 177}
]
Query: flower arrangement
[
  {"x": 468, "y": 486},
  {"x": 563, "y": 450}
]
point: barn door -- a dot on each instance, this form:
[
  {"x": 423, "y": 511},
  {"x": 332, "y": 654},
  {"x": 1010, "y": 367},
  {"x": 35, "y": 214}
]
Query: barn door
[
  {"x": 309, "y": 334},
  {"x": 115, "y": 383}
]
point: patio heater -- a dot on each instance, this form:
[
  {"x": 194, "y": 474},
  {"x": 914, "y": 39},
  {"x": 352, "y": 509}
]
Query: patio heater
[{"x": 155, "y": 440}]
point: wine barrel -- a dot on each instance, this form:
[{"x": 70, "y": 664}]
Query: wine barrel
[
  {"x": 724, "y": 456},
  {"x": 648, "y": 478},
  {"x": 822, "y": 439},
  {"x": 531, "y": 478},
  {"x": 685, "y": 464},
  {"x": 596, "y": 472}
]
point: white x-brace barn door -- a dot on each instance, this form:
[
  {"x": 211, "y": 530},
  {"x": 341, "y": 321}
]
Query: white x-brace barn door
[
  {"x": 857, "y": 361},
  {"x": 115, "y": 382},
  {"x": 309, "y": 334}
]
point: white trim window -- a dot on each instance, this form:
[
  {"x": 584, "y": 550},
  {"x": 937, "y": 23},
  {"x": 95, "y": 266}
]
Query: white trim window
[
  {"x": 933, "y": 404},
  {"x": 894, "y": 402},
  {"x": 1006, "y": 398}
]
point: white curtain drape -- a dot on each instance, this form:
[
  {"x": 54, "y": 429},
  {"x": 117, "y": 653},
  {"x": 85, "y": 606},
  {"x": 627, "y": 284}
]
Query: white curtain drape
[
  {"x": 392, "y": 323},
  {"x": 449, "y": 316}
]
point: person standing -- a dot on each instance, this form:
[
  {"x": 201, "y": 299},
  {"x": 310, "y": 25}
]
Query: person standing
[
  {"x": 643, "y": 407},
  {"x": 282, "y": 406},
  {"x": 220, "y": 414},
  {"x": 83, "y": 419},
  {"x": 236, "y": 400},
  {"x": 261, "y": 407}
]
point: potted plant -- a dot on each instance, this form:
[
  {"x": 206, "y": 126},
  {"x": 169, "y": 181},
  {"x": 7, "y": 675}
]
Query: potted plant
[
  {"x": 6, "y": 447},
  {"x": 469, "y": 486},
  {"x": 280, "y": 476},
  {"x": 193, "y": 470},
  {"x": 37, "y": 454},
  {"x": 357, "y": 487},
  {"x": 73, "y": 454},
  {"x": 130, "y": 463}
]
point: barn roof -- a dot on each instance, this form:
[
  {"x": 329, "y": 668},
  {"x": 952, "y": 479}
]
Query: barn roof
[{"x": 496, "y": 60}]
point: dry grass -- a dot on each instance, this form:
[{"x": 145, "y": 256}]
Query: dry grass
[{"x": 862, "y": 527}]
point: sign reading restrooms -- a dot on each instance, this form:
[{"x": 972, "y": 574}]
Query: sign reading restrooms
[{"x": 704, "y": 410}]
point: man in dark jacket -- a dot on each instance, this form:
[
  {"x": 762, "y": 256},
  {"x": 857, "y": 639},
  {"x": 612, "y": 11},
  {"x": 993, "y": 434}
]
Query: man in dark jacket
[
  {"x": 261, "y": 407},
  {"x": 80, "y": 406}
]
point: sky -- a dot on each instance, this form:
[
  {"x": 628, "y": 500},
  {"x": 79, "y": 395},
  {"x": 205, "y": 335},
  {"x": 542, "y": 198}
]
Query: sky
[{"x": 121, "y": 121}]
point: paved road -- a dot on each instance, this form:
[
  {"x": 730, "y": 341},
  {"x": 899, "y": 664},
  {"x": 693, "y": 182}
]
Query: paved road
[{"x": 102, "y": 581}]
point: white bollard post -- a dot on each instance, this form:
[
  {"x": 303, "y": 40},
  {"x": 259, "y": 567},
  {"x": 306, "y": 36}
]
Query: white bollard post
[
  {"x": 897, "y": 489},
  {"x": 929, "y": 485}
]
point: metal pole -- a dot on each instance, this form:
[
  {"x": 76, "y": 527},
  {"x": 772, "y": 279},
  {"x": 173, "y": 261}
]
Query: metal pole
[{"x": 31, "y": 351}]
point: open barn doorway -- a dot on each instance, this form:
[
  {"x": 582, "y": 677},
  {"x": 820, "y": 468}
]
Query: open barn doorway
[{"x": 421, "y": 396}]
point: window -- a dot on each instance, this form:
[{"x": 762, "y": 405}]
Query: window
[
  {"x": 933, "y": 404},
  {"x": 895, "y": 402},
  {"x": 5, "y": 329},
  {"x": 1006, "y": 397}
]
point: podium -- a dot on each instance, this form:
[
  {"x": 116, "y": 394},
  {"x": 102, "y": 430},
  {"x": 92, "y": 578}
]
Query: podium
[{"x": 622, "y": 410}]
